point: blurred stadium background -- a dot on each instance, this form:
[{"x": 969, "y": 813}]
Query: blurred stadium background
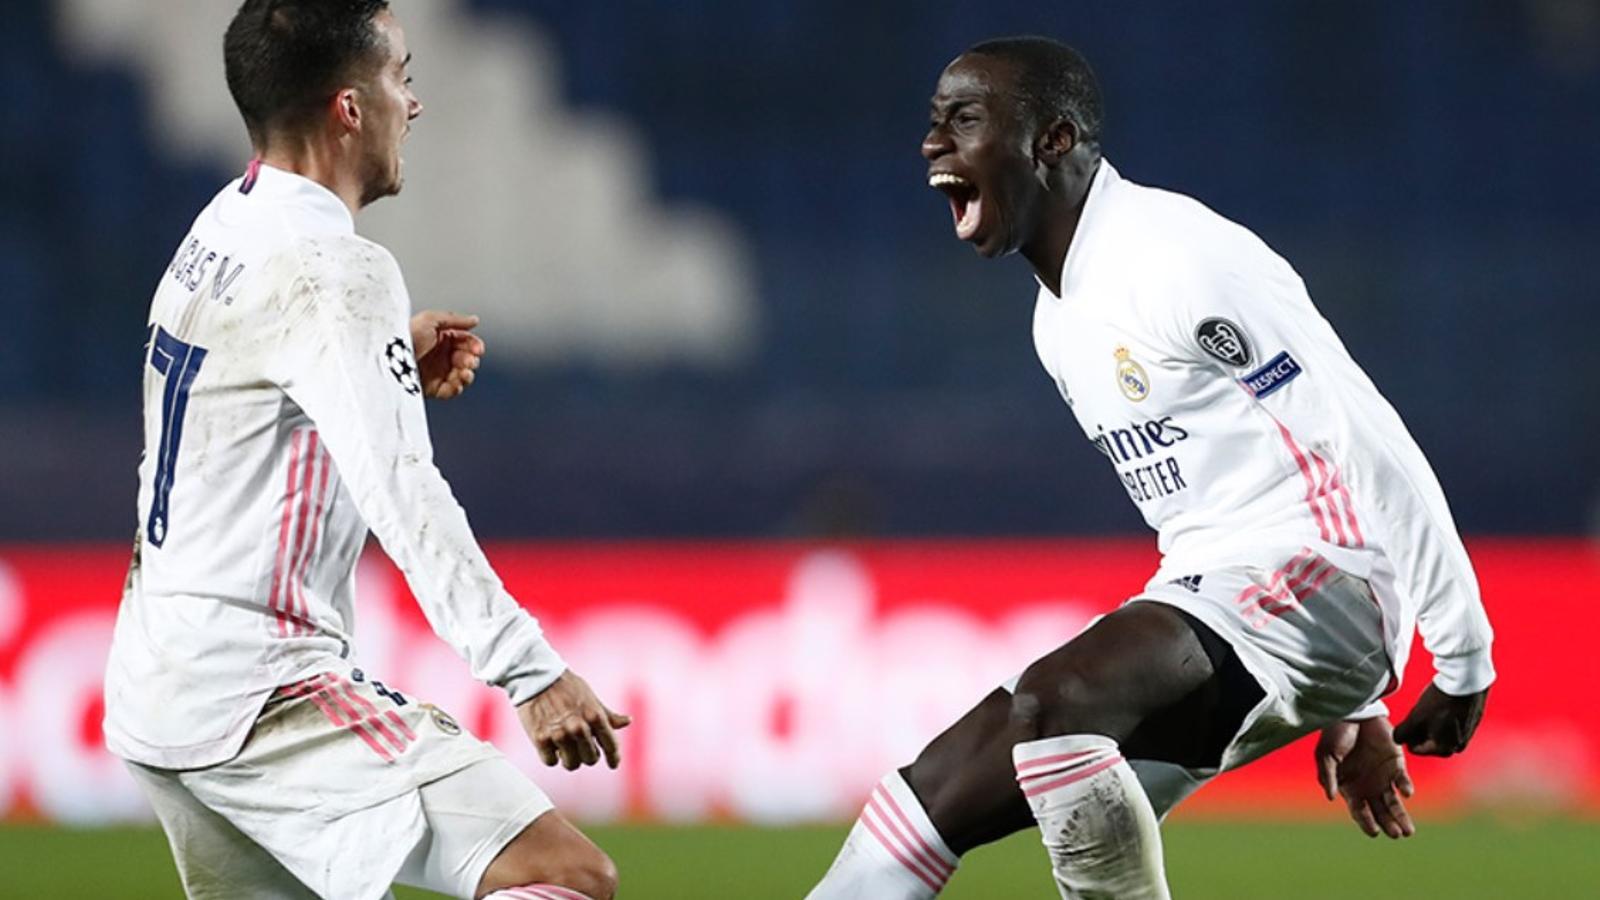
[{"x": 767, "y": 449}]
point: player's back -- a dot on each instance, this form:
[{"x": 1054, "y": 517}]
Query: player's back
[
  {"x": 237, "y": 500},
  {"x": 210, "y": 409}
]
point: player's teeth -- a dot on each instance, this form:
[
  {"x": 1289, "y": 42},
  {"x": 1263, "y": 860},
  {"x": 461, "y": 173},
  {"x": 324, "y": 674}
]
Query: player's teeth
[{"x": 944, "y": 179}]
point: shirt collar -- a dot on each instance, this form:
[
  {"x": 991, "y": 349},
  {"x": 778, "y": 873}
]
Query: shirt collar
[
  {"x": 1072, "y": 267},
  {"x": 283, "y": 186}
]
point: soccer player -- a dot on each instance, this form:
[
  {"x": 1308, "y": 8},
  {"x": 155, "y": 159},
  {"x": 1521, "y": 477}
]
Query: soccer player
[
  {"x": 283, "y": 386},
  {"x": 1303, "y": 535}
]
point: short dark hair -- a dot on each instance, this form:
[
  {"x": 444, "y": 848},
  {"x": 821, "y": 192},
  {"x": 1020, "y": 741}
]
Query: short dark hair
[
  {"x": 285, "y": 58},
  {"x": 1054, "y": 82}
]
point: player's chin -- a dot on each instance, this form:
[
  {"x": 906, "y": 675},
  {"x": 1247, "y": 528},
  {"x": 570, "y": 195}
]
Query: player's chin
[
  {"x": 991, "y": 243},
  {"x": 989, "y": 249}
]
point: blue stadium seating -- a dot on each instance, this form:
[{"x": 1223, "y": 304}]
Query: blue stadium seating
[{"x": 1428, "y": 167}]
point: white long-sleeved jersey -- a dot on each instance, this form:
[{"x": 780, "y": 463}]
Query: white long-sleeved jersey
[
  {"x": 283, "y": 418},
  {"x": 1194, "y": 360}
]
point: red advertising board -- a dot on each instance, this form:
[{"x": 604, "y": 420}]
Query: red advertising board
[{"x": 774, "y": 682}]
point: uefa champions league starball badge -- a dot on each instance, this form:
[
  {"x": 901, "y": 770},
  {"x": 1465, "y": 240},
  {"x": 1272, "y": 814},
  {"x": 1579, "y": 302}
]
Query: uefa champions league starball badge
[
  {"x": 397, "y": 356},
  {"x": 1131, "y": 377}
]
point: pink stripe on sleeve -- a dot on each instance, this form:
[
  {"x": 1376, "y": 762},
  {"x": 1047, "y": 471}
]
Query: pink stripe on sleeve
[
  {"x": 303, "y": 499},
  {"x": 1305, "y": 473},
  {"x": 302, "y": 617},
  {"x": 1349, "y": 507},
  {"x": 274, "y": 599},
  {"x": 307, "y": 478},
  {"x": 1326, "y": 493}
]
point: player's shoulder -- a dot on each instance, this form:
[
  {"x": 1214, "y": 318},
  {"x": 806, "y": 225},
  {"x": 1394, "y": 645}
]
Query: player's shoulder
[
  {"x": 342, "y": 257},
  {"x": 336, "y": 274},
  {"x": 1176, "y": 231},
  {"x": 1173, "y": 246}
]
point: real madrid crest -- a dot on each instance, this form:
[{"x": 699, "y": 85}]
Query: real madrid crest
[
  {"x": 1131, "y": 377},
  {"x": 442, "y": 720}
]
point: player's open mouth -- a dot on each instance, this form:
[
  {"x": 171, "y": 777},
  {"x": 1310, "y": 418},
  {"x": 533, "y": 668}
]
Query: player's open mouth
[{"x": 966, "y": 204}]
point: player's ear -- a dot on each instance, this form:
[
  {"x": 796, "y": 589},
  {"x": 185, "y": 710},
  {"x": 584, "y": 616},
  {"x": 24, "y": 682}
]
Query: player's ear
[
  {"x": 1055, "y": 142},
  {"x": 347, "y": 109}
]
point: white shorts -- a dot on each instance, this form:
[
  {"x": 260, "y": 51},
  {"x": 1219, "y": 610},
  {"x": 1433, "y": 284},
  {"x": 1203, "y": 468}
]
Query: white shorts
[
  {"x": 342, "y": 789},
  {"x": 1309, "y": 633}
]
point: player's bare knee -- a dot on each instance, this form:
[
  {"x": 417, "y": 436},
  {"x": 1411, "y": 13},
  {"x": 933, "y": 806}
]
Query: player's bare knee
[
  {"x": 593, "y": 875},
  {"x": 1051, "y": 703},
  {"x": 555, "y": 853}
]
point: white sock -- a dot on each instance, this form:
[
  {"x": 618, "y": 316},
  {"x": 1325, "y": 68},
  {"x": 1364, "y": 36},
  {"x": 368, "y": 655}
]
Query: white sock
[
  {"x": 892, "y": 853},
  {"x": 1097, "y": 824},
  {"x": 537, "y": 892}
]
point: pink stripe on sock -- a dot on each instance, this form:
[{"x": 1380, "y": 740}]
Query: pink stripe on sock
[
  {"x": 908, "y": 837},
  {"x": 1059, "y": 757},
  {"x": 1089, "y": 758},
  {"x": 556, "y": 890},
  {"x": 900, "y": 857},
  {"x": 1093, "y": 770},
  {"x": 521, "y": 893},
  {"x": 938, "y": 859}
]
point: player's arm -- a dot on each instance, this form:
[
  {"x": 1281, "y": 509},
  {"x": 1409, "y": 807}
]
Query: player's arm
[
  {"x": 1246, "y": 313},
  {"x": 347, "y": 362}
]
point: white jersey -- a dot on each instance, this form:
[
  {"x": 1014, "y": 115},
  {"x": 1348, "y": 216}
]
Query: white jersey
[
  {"x": 1196, "y": 363},
  {"x": 283, "y": 418}
]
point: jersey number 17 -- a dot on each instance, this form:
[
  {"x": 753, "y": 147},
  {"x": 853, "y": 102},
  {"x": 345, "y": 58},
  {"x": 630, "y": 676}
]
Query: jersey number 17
[{"x": 180, "y": 363}]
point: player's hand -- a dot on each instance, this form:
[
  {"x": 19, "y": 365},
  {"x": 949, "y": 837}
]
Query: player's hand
[
  {"x": 1441, "y": 725},
  {"x": 569, "y": 724},
  {"x": 448, "y": 353},
  {"x": 1363, "y": 764}
]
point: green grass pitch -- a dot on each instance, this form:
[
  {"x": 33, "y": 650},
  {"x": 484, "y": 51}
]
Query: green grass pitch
[{"x": 1458, "y": 860}]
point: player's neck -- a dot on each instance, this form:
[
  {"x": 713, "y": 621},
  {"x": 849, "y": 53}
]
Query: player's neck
[
  {"x": 1058, "y": 219},
  {"x": 319, "y": 162},
  {"x": 1047, "y": 252}
]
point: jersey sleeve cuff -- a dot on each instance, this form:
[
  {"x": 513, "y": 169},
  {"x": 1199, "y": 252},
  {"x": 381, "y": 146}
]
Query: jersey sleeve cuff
[
  {"x": 542, "y": 667},
  {"x": 1372, "y": 710},
  {"x": 1460, "y": 676}
]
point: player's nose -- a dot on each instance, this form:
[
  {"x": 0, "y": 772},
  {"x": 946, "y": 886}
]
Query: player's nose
[{"x": 935, "y": 144}]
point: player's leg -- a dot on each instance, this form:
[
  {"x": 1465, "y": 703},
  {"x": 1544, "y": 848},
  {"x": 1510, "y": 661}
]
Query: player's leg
[
  {"x": 491, "y": 832},
  {"x": 961, "y": 792},
  {"x": 1140, "y": 679},
  {"x": 215, "y": 860},
  {"x": 550, "y": 860}
]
